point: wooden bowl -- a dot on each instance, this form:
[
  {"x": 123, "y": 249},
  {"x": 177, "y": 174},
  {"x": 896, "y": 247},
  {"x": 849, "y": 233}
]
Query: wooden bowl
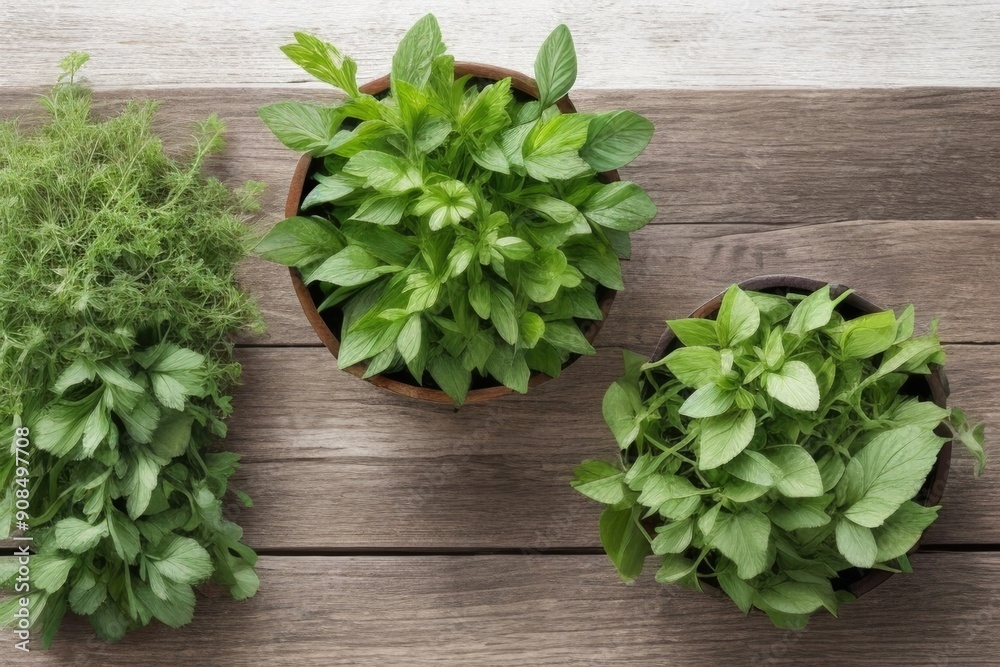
[
  {"x": 328, "y": 324},
  {"x": 855, "y": 580}
]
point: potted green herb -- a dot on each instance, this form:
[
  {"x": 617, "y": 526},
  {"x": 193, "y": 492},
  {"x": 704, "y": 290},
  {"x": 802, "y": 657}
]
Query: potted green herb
[
  {"x": 117, "y": 269},
  {"x": 454, "y": 231},
  {"x": 787, "y": 444}
]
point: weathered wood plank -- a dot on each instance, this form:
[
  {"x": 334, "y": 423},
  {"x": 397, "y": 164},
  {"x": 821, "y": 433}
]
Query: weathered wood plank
[
  {"x": 549, "y": 610},
  {"x": 335, "y": 463},
  {"x": 726, "y": 156},
  {"x": 688, "y": 44},
  {"x": 948, "y": 269}
]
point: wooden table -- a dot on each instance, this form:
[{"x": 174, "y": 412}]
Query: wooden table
[{"x": 791, "y": 137}]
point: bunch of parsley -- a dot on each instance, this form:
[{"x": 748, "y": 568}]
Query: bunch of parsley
[
  {"x": 773, "y": 451},
  {"x": 461, "y": 227},
  {"x": 119, "y": 303}
]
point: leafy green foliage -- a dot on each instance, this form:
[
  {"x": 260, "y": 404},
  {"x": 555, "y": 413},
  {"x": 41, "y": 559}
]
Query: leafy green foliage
[
  {"x": 773, "y": 450},
  {"x": 461, "y": 225},
  {"x": 117, "y": 265}
]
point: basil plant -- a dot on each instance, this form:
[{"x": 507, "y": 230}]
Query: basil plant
[
  {"x": 460, "y": 226},
  {"x": 773, "y": 454}
]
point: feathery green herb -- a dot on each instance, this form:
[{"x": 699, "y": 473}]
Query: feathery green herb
[
  {"x": 773, "y": 450},
  {"x": 461, "y": 227},
  {"x": 118, "y": 307}
]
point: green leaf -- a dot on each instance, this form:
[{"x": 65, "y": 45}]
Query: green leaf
[
  {"x": 894, "y": 466},
  {"x": 566, "y": 335},
  {"x": 556, "y": 210},
  {"x": 622, "y": 206},
  {"x": 182, "y": 560},
  {"x": 902, "y": 529},
  {"x": 738, "y": 317},
  {"x": 108, "y": 621},
  {"x": 302, "y": 127},
  {"x": 513, "y": 247},
  {"x": 299, "y": 241},
  {"x": 510, "y": 367},
  {"x": 708, "y": 401},
  {"x": 812, "y": 312},
  {"x": 488, "y": 112},
  {"x": 351, "y": 266},
  {"x": 742, "y": 538},
  {"x": 599, "y": 481},
  {"x": 615, "y": 139},
  {"x": 414, "y": 57},
  {"x": 624, "y": 541},
  {"x": 446, "y": 203},
  {"x": 246, "y": 581},
  {"x": 324, "y": 61},
  {"x": 597, "y": 260},
  {"x": 674, "y": 568},
  {"x": 359, "y": 344},
  {"x": 410, "y": 339},
  {"x": 695, "y": 332},
  {"x": 502, "y": 313},
  {"x": 531, "y": 328},
  {"x": 754, "y": 467},
  {"x": 492, "y": 158},
  {"x": 794, "y": 385},
  {"x": 555, "y": 66},
  {"x": 142, "y": 479},
  {"x": 124, "y": 535},
  {"x": 805, "y": 513},
  {"x": 972, "y": 437},
  {"x": 741, "y": 492},
  {"x": 50, "y": 570},
  {"x": 78, "y": 536},
  {"x": 450, "y": 376},
  {"x": 330, "y": 189},
  {"x": 723, "y": 437},
  {"x": 387, "y": 210},
  {"x": 856, "y": 543},
  {"x": 660, "y": 488},
  {"x": 80, "y": 371},
  {"x": 173, "y": 434},
  {"x": 869, "y": 335},
  {"x": 87, "y": 595},
  {"x": 383, "y": 172},
  {"x": 62, "y": 424},
  {"x": 738, "y": 590},
  {"x": 622, "y": 408},
  {"x": 801, "y": 477},
  {"x": 178, "y": 608},
  {"x": 695, "y": 366},
  {"x": 792, "y": 597},
  {"x": 551, "y": 149},
  {"x": 673, "y": 538}
]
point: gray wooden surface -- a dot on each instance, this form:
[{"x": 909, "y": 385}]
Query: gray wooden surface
[
  {"x": 549, "y": 610},
  {"x": 402, "y": 533},
  {"x": 621, "y": 43}
]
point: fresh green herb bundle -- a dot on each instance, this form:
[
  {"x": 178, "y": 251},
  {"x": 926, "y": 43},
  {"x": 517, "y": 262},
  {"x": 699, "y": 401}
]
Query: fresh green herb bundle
[
  {"x": 461, "y": 227},
  {"x": 772, "y": 451},
  {"x": 119, "y": 303}
]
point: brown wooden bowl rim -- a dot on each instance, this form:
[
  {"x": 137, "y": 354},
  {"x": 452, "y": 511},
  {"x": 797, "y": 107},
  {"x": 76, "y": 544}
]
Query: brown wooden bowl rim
[
  {"x": 936, "y": 381},
  {"x": 296, "y": 191}
]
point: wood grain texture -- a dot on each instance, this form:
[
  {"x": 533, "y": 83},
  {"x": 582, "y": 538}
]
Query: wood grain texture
[
  {"x": 379, "y": 471},
  {"x": 549, "y": 610},
  {"x": 648, "y": 44}
]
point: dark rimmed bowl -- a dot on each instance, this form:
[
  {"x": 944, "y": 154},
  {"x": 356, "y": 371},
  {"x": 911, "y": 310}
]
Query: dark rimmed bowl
[
  {"x": 330, "y": 320},
  {"x": 934, "y": 386}
]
